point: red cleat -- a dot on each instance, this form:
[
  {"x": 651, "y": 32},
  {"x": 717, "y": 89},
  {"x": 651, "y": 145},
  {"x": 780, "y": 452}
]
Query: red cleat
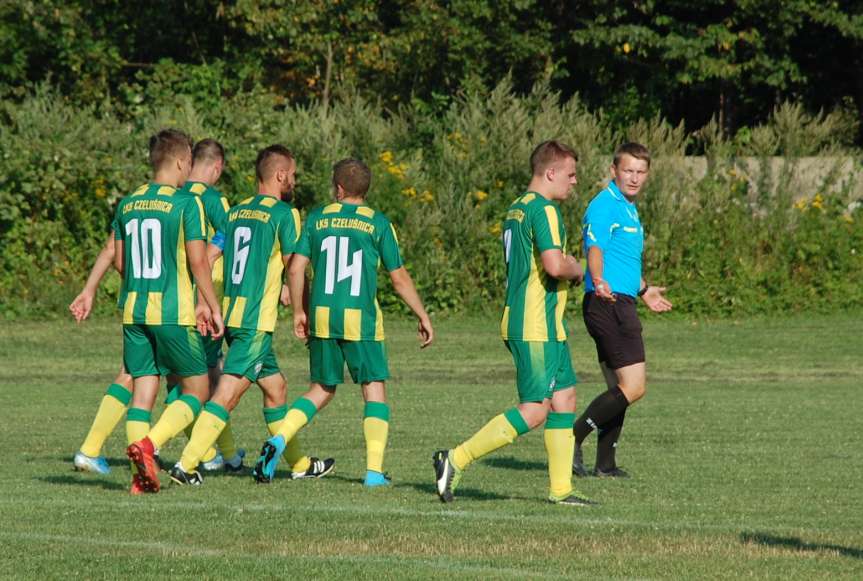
[
  {"x": 137, "y": 487},
  {"x": 141, "y": 453}
]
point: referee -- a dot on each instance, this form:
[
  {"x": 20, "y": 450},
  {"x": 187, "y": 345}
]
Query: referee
[{"x": 613, "y": 243}]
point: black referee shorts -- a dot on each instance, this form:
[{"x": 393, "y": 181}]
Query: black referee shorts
[{"x": 615, "y": 329}]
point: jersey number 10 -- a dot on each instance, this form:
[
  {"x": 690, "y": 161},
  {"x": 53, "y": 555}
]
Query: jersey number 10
[
  {"x": 353, "y": 271},
  {"x": 146, "y": 247}
]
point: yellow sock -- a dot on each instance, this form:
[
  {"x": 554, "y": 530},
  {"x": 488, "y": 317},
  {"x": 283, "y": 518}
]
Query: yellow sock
[
  {"x": 376, "y": 425},
  {"x": 210, "y": 424},
  {"x": 226, "y": 442},
  {"x": 300, "y": 413},
  {"x": 210, "y": 454},
  {"x": 137, "y": 426},
  {"x": 499, "y": 432},
  {"x": 110, "y": 412},
  {"x": 298, "y": 461},
  {"x": 176, "y": 416},
  {"x": 559, "y": 444}
]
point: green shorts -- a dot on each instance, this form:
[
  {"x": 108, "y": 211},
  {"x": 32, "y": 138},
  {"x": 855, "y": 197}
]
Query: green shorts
[
  {"x": 163, "y": 349},
  {"x": 212, "y": 350},
  {"x": 367, "y": 361},
  {"x": 250, "y": 353},
  {"x": 541, "y": 368}
]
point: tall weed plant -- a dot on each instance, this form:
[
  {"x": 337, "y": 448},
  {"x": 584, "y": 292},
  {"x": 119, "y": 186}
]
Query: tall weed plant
[{"x": 749, "y": 236}]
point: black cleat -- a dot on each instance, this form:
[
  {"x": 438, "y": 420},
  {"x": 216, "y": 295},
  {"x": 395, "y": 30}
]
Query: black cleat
[
  {"x": 317, "y": 469},
  {"x": 578, "y": 468},
  {"x": 447, "y": 476},
  {"x": 573, "y": 499},
  {"x": 183, "y": 478},
  {"x": 613, "y": 473}
]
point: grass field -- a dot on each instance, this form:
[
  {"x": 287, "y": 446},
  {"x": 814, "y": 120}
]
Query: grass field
[{"x": 746, "y": 456}]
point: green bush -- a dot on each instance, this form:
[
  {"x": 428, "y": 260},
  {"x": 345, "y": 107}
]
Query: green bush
[{"x": 722, "y": 243}]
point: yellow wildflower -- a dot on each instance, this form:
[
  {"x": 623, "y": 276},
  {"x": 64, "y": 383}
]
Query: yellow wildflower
[
  {"x": 480, "y": 195},
  {"x": 626, "y": 48},
  {"x": 427, "y": 197},
  {"x": 387, "y": 157},
  {"x": 495, "y": 229},
  {"x": 818, "y": 202},
  {"x": 410, "y": 192},
  {"x": 800, "y": 204}
]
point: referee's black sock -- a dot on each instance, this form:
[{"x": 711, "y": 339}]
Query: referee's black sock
[
  {"x": 606, "y": 444},
  {"x": 601, "y": 410}
]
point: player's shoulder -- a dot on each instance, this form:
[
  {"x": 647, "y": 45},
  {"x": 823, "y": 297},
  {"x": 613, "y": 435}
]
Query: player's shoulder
[{"x": 603, "y": 200}]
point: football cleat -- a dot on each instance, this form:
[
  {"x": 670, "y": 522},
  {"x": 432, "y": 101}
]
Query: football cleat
[
  {"x": 217, "y": 463},
  {"x": 137, "y": 488},
  {"x": 235, "y": 464},
  {"x": 84, "y": 463},
  {"x": 317, "y": 469},
  {"x": 447, "y": 476},
  {"x": 578, "y": 468},
  {"x": 183, "y": 478},
  {"x": 613, "y": 473},
  {"x": 141, "y": 453},
  {"x": 265, "y": 467},
  {"x": 375, "y": 479},
  {"x": 574, "y": 498}
]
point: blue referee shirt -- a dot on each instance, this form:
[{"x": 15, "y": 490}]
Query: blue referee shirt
[{"x": 611, "y": 223}]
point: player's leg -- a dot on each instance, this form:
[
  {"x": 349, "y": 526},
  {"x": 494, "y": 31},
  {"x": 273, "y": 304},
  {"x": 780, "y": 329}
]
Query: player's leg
[
  {"x": 534, "y": 391},
  {"x": 326, "y": 369},
  {"x": 211, "y": 422},
  {"x": 558, "y": 437},
  {"x": 228, "y": 456},
  {"x": 368, "y": 366},
  {"x": 111, "y": 410}
]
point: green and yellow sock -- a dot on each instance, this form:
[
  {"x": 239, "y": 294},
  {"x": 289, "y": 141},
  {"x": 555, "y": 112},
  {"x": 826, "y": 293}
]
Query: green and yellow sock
[
  {"x": 176, "y": 416},
  {"x": 207, "y": 428},
  {"x": 137, "y": 426},
  {"x": 298, "y": 461},
  {"x": 376, "y": 425},
  {"x": 300, "y": 413},
  {"x": 559, "y": 444},
  {"x": 499, "y": 432},
  {"x": 110, "y": 412}
]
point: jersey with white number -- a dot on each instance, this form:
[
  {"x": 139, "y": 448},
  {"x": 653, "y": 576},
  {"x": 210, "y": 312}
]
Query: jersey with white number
[
  {"x": 535, "y": 301},
  {"x": 259, "y": 232},
  {"x": 154, "y": 224},
  {"x": 345, "y": 243}
]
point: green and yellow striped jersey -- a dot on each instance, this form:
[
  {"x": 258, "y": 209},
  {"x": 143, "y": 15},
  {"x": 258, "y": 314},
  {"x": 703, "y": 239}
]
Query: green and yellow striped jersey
[
  {"x": 155, "y": 224},
  {"x": 345, "y": 244},
  {"x": 535, "y": 301},
  {"x": 216, "y": 210},
  {"x": 259, "y": 232}
]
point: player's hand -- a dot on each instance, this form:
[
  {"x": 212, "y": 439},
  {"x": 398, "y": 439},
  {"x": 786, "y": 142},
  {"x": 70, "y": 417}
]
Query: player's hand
[
  {"x": 425, "y": 332},
  {"x": 301, "y": 325},
  {"x": 654, "y": 300},
  {"x": 203, "y": 316},
  {"x": 285, "y": 297},
  {"x": 217, "y": 325},
  {"x": 82, "y": 306},
  {"x": 603, "y": 290}
]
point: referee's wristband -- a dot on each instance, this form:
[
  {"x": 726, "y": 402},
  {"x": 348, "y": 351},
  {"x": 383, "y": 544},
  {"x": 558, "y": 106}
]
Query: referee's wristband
[{"x": 644, "y": 290}]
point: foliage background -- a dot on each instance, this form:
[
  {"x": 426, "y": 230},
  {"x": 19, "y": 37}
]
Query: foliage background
[{"x": 445, "y": 100}]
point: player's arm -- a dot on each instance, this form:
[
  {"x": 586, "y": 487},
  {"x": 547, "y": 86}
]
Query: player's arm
[
  {"x": 561, "y": 266},
  {"x": 404, "y": 287},
  {"x": 653, "y": 297},
  {"x": 595, "y": 266},
  {"x": 297, "y": 285},
  {"x": 196, "y": 251},
  {"x": 119, "y": 256},
  {"x": 82, "y": 305},
  {"x": 597, "y": 230},
  {"x": 215, "y": 248}
]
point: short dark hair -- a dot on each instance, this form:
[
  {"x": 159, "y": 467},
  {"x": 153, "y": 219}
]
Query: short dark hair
[
  {"x": 547, "y": 153},
  {"x": 208, "y": 150},
  {"x": 166, "y": 145},
  {"x": 354, "y": 176},
  {"x": 267, "y": 159},
  {"x": 633, "y": 149}
]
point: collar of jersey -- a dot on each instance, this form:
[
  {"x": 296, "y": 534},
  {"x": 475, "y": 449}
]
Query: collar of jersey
[{"x": 192, "y": 183}]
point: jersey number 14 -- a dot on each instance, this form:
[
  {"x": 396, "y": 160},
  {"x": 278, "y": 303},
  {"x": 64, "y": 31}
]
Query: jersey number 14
[{"x": 353, "y": 271}]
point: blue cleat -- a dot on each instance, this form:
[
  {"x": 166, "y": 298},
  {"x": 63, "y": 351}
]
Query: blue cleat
[
  {"x": 265, "y": 467},
  {"x": 84, "y": 463},
  {"x": 375, "y": 479}
]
